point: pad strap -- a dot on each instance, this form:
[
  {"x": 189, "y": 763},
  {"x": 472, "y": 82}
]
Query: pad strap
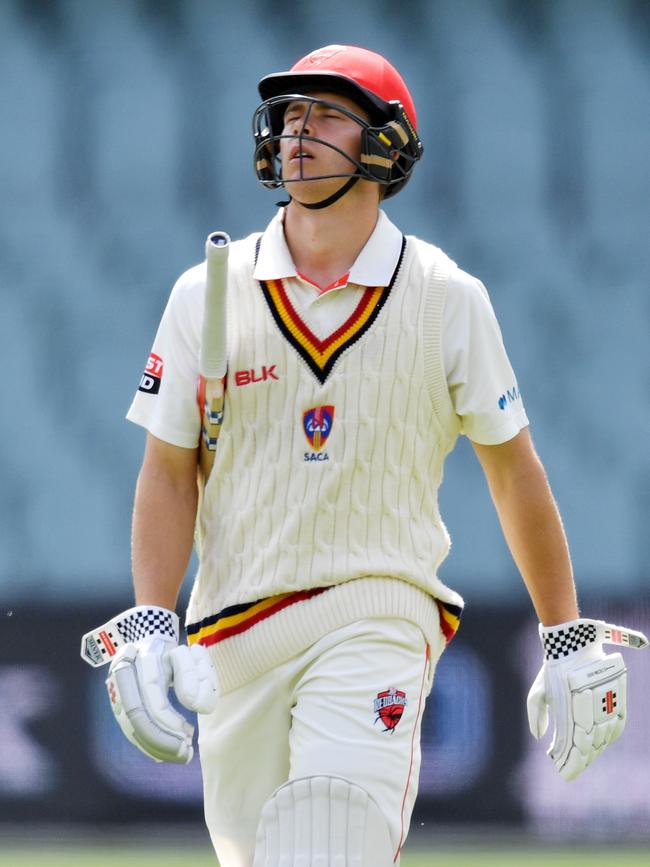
[{"x": 142, "y": 621}]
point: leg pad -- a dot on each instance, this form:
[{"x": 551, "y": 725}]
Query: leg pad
[{"x": 322, "y": 822}]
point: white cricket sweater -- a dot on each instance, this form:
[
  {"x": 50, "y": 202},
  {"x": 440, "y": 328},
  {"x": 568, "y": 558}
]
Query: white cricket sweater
[{"x": 327, "y": 470}]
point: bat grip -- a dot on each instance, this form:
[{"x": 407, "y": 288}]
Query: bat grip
[{"x": 212, "y": 363}]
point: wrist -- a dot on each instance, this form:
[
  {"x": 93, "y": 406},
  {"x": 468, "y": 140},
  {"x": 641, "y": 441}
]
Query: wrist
[{"x": 565, "y": 639}]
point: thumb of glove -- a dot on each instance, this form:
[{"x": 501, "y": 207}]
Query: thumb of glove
[
  {"x": 195, "y": 680},
  {"x": 537, "y": 706}
]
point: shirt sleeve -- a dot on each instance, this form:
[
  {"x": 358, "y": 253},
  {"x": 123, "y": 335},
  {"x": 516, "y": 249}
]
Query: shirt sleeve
[
  {"x": 481, "y": 381},
  {"x": 165, "y": 402}
]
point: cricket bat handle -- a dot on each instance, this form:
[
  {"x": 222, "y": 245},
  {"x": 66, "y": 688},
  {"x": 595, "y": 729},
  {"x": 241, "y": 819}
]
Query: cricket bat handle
[{"x": 213, "y": 361}]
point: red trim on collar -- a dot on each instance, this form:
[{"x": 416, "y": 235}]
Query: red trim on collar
[{"x": 342, "y": 281}]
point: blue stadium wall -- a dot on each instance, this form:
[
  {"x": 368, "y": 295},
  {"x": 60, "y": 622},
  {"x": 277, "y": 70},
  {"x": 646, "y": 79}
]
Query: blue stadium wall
[{"x": 125, "y": 140}]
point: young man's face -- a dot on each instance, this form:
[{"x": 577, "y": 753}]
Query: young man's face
[{"x": 304, "y": 158}]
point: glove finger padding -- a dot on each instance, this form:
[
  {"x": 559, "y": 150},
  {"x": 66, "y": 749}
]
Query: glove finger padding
[
  {"x": 586, "y": 690},
  {"x": 595, "y": 698},
  {"x": 137, "y": 686}
]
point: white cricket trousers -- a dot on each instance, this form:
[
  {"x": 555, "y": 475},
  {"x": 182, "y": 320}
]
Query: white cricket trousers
[{"x": 321, "y": 713}]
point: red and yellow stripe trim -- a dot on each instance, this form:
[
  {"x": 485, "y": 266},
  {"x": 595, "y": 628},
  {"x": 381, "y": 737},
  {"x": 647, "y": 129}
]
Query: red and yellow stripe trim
[
  {"x": 238, "y": 618},
  {"x": 320, "y": 352},
  {"x": 449, "y": 618},
  {"x": 321, "y": 355}
]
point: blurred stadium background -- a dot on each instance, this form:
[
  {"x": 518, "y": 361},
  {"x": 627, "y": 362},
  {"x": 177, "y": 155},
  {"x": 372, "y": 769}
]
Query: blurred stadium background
[{"x": 124, "y": 141}]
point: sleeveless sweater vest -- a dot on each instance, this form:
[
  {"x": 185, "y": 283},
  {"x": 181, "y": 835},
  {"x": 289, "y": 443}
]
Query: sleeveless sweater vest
[{"x": 322, "y": 507}]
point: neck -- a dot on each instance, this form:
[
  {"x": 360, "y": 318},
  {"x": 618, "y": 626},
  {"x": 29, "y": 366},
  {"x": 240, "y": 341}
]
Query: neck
[{"x": 325, "y": 244}]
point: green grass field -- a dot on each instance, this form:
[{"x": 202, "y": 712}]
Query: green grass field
[{"x": 191, "y": 857}]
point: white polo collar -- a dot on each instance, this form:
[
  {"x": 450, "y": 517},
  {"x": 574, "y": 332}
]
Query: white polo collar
[{"x": 375, "y": 264}]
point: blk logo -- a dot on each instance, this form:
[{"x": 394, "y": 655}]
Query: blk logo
[{"x": 248, "y": 377}]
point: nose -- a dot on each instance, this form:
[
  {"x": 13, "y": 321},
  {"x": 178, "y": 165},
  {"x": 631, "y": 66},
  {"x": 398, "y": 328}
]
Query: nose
[
  {"x": 301, "y": 126},
  {"x": 300, "y": 120}
]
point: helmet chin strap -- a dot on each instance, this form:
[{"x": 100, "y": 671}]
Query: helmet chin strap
[{"x": 325, "y": 203}]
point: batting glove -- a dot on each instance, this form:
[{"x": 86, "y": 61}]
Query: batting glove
[
  {"x": 145, "y": 660},
  {"x": 584, "y": 687}
]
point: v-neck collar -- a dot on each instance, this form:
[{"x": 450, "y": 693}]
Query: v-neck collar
[{"x": 322, "y": 354}]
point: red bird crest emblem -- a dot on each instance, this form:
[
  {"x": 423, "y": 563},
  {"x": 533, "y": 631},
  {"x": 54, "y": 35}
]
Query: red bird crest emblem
[{"x": 389, "y": 707}]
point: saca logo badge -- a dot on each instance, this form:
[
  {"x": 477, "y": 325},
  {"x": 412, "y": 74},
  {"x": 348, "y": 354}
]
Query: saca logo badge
[{"x": 317, "y": 424}]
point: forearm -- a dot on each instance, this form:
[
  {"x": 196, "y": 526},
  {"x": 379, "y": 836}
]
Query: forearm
[
  {"x": 533, "y": 529},
  {"x": 532, "y": 525},
  {"x": 162, "y": 536}
]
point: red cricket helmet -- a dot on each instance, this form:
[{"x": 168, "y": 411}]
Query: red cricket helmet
[
  {"x": 364, "y": 76},
  {"x": 390, "y": 144}
]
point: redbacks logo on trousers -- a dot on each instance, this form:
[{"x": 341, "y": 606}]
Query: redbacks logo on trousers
[
  {"x": 389, "y": 707},
  {"x": 152, "y": 376},
  {"x": 317, "y": 423}
]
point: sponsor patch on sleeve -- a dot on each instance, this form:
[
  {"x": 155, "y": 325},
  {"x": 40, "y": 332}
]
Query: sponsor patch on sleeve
[
  {"x": 152, "y": 376},
  {"x": 512, "y": 395}
]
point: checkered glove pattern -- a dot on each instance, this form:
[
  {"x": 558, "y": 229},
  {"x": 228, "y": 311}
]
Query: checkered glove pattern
[
  {"x": 584, "y": 687},
  {"x": 558, "y": 643},
  {"x": 143, "y": 621},
  {"x": 101, "y": 644},
  {"x": 145, "y": 662}
]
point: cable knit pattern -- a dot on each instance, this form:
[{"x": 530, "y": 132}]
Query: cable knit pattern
[{"x": 272, "y": 522}]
